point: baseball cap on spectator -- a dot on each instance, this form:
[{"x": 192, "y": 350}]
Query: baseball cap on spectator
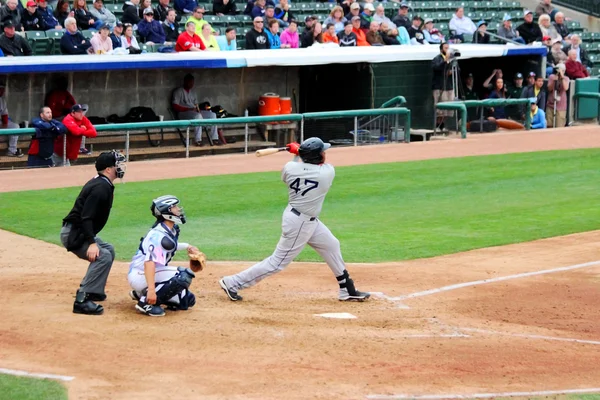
[
  {"x": 404, "y": 5},
  {"x": 31, "y": 3},
  {"x": 77, "y": 108},
  {"x": 345, "y": 24},
  {"x": 481, "y": 23},
  {"x": 518, "y": 75},
  {"x": 355, "y": 18},
  {"x": 148, "y": 11},
  {"x": 270, "y": 6},
  {"x": 416, "y": 17},
  {"x": 546, "y": 38},
  {"x": 8, "y": 23},
  {"x": 119, "y": 24},
  {"x": 507, "y": 17},
  {"x": 428, "y": 20},
  {"x": 105, "y": 26},
  {"x": 532, "y": 100},
  {"x": 470, "y": 75},
  {"x": 355, "y": 6},
  {"x": 532, "y": 73},
  {"x": 369, "y": 7},
  {"x": 527, "y": 12}
]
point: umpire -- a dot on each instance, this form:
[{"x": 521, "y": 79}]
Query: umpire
[{"x": 80, "y": 227}]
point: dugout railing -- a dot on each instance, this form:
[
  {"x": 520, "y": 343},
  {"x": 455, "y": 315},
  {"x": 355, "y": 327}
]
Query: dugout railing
[{"x": 188, "y": 125}]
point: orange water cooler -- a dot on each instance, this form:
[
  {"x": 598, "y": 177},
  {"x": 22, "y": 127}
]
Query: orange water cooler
[
  {"x": 285, "y": 105},
  {"x": 268, "y": 104}
]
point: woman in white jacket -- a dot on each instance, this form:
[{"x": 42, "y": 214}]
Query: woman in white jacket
[
  {"x": 461, "y": 25},
  {"x": 128, "y": 39}
]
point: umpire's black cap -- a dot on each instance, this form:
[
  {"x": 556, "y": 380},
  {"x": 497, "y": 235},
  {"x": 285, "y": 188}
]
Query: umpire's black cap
[{"x": 106, "y": 160}]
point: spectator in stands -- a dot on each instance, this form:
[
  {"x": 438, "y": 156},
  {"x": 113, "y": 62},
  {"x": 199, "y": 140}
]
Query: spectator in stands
[
  {"x": 150, "y": 30},
  {"x": 224, "y": 7},
  {"x": 6, "y": 123},
  {"x": 48, "y": 15},
  {"x": 273, "y": 34},
  {"x": 42, "y": 143},
  {"x": 366, "y": 17},
  {"x": 402, "y": 18},
  {"x": 73, "y": 42},
  {"x": 256, "y": 38},
  {"x": 499, "y": 92},
  {"x": 442, "y": 85},
  {"x": 345, "y": 4},
  {"x": 185, "y": 104},
  {"x": 538, "y": 116},
  {"x": 102, "y": 14},
  {"x": 575, "y": 69},
  {"x": 380, "y": 17},
  {"x": 308, "y": 22},
  {"x": 259, "y": 9},
  {"x": 330, "y": 36},
  {"x": 347, "y": 38},
  {"x": 490, "y": 83},
  {"x": 547, "y": 28},
  {"x": 161, "y": 10},
  {"x": 270, "y": 16},
  {"x": 63, "y": 12},
  {"x": 544, "y": 7},
  {"x": 417, "y": 37},
  {"x": 558, "y": 84},
  {"x": 289, "y": 37},
  {"x": 31, "y": 19},
  {"x": 336, "y": 17},
  {"x": 432, "y": 35},
  {"x": 555, "y": 55},
  {"x": 188, "y": 40},
  {"x": 536, "y": 91},
  {"x": 315, "y": 35},
  {"x": 561, "y": 28},
  {"x": 83, "y": 17},
  {"x": 11, "y": 44},
  {"x": 481, "y": 36},
  {"x": 209, "y": 40},
  {"x": 144, "y": 4},
  {"x": 354, "y": 12},
  {"x": 129, "y": 41},
  {"x": 283, "y": 13},
  {"x": 198, "y": 19},
  {"x": 389, "y": 36},
  {"x": 470, "y": 93},
  {"x": 361, "y": 37},
  {"x": 529, "y": 30},
  {"x": 582, "y": 55},
  {"x": 461, "y": 25},
  {"x": 227, "y": 41},
  {"x": 186, "y": 7},
  {"x": 373, "y": 36},
  {"x": 131, "y": 13},
  {"x": 10, "y": 11},
  {"x": 115, "y": 36},
  {"x": 508, "y": 31},
  {"x": 78, "y": 126},
  {"x": 514, "y": 91},
  {"x": 169, "y": 26},
  {"x": 101, "y": 43}
]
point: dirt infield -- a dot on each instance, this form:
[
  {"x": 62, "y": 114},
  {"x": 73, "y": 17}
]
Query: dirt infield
[{"x": 417, "y": 335}]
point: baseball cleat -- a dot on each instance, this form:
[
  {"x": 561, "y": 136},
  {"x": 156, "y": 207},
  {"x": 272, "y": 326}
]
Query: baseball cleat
[
  {"x": 134, "y": 296},
  {"x": 151, "y": 310},
  {"x": 354, "y": 296},
  {"x": 233, "y": 296}
]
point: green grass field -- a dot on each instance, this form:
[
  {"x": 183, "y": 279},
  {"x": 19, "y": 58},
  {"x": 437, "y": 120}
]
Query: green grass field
[
  {"x": 20, "y": 388},
  {"x": 379, "y": 212}
]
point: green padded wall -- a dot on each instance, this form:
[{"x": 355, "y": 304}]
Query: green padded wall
[{"x": 588, "y": 108}]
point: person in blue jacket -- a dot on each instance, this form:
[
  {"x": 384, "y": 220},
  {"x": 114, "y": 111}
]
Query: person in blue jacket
[
  {"x": 151, "y": 30},
  {"x": 185, "y": 6},
  {"x": 73, "y": 42},
  {"x": 538, "y": 116},
  {"x": 42, "y": 143}
]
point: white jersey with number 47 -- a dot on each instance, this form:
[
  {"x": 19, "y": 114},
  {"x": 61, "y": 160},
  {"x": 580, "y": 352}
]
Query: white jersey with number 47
[{"x": 308, "y": 185}]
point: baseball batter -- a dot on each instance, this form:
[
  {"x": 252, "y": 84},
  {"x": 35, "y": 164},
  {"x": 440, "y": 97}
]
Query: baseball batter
[
  {"x": 153, "y": 280},
  {"x": 308, "y": 180}
]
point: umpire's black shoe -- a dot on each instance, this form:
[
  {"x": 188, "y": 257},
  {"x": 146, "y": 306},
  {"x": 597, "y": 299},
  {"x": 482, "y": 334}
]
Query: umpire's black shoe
[
  {"x": 83, "y": 305},
  {"x": 233, "y": 296},
  {"x": 96, "y": 297}
]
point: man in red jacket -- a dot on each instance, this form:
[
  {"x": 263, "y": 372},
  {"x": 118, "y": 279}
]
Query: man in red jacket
[
  {"x": 188, "y": 40},
  {"x": 575, "y": 69},
  {"x": 77, "y": 126}
]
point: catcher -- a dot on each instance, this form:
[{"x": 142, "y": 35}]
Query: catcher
[{"x": 154, "y": 282}]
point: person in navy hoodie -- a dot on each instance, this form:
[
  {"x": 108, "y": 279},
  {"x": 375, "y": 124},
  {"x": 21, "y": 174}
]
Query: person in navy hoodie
[
  {"x": 73, "y": 42},
  {"x": 151, "y": 30},
  {"x": 42, "y": 143},
  {"x": 47, "y": 14}
]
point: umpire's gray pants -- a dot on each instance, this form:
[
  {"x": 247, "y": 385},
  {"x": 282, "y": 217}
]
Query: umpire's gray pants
[{"x": 95, "y": 278}]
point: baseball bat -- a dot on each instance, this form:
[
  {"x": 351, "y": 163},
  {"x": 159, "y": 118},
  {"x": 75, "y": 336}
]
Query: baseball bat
[{"x": 269, "y": 151}]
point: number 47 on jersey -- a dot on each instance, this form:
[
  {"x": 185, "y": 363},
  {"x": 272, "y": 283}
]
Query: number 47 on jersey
[{"x": 307, "y": 187}]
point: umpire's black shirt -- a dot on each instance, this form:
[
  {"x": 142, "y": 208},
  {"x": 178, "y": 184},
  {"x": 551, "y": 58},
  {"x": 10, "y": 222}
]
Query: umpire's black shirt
[{"x": 92, "y": 207}]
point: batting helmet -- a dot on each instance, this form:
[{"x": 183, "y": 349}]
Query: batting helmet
[
  {"x": 161, "y": 209},
  {"x": 310, "y": 150}
]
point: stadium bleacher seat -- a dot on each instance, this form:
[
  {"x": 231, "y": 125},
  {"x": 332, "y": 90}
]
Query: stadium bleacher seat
[
  {"x": 88, "y": 34},
  {"x": 39, "y": 42},
  {"x": 55, "y": 35}
]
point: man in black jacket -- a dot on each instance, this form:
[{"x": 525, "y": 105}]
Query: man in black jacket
[
  {"x": 13, "y": 44},
  {"x": 131, "y": 14},
  {"x": 32, "y": 19},
  {"x": 116, "y": 34},
  {"x": 10, "y": 11},
  {"x": 402, "y": 18},
  {"x": 84, "y": 222},
  {"x": 224, "y": 7},
  {"x": 442, "y": 85},
  {"x": 256, "y": 38},
  {"x": 42, "y": 143},
  {"x": 170, "y": 27},
  {"x": 73, "y": 42},
  {"x": 529, "y": 30}
]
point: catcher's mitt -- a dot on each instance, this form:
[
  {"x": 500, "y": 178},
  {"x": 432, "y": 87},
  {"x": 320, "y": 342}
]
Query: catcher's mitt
[{"x": 197, "y": 260}]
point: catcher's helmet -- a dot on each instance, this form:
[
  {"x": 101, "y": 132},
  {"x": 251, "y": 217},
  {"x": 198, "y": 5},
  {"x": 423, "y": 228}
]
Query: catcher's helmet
[
  {"x": 310, "y": 150},
  {"x": 161, "y": 209}
]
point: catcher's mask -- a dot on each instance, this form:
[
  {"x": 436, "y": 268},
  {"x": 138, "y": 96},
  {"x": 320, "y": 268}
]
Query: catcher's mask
[
  {"x": 110, "y": 159},
  {"x": 162, "y": 207},
  {"x": 310, "y": 150}
]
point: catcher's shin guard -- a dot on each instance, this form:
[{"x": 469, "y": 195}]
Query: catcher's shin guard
[
  {"x": 347, "y": 290},
  {"x": 174, "y": 286}
]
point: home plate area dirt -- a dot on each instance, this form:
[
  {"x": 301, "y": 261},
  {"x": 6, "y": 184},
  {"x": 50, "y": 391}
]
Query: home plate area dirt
[{"x": 530, "y": 333}]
